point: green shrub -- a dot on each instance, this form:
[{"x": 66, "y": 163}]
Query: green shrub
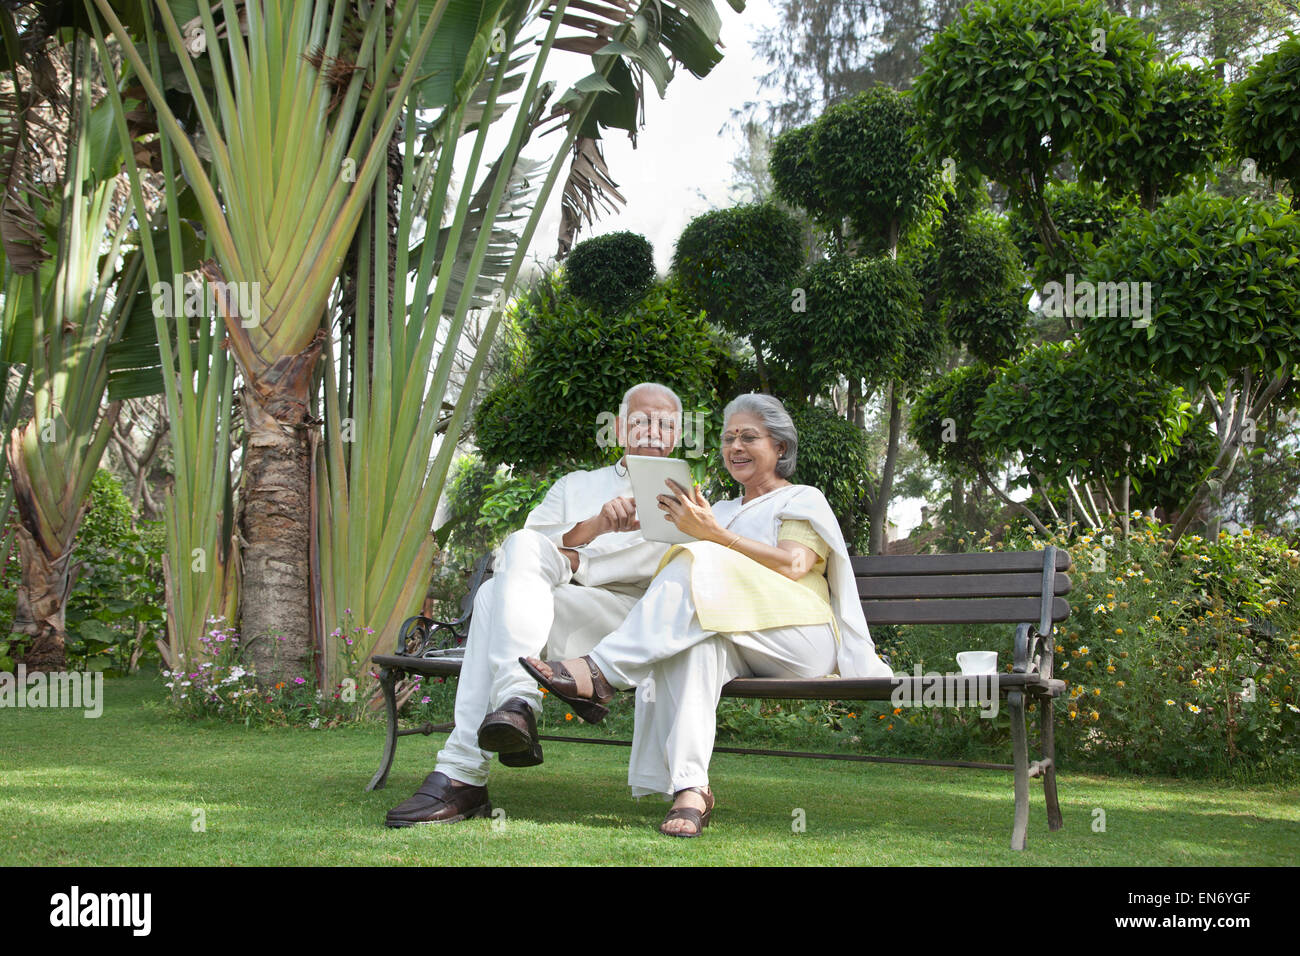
[
  {"x": 1264, "y": 113},
  {"x": 557, "y": 407},
  {"x": 612, "y": 271},
  {"x": 739, "y": 264},
  {"x": 117, "y": 607}
]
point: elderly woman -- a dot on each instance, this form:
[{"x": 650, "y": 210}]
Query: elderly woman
[{"x": 766, "y": 590}]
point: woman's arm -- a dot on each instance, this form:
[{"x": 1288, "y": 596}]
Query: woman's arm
[{"x": 692, "y": 514}]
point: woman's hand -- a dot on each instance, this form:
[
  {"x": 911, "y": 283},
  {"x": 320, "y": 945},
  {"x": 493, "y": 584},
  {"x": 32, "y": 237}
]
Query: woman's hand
[{"x": 690, "y": 511}]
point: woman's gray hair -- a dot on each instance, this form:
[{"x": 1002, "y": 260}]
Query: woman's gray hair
[{"x": 775, "y": 419}]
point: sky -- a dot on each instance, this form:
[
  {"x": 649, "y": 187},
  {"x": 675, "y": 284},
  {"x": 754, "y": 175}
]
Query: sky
[{"x": 681, "y": 166}]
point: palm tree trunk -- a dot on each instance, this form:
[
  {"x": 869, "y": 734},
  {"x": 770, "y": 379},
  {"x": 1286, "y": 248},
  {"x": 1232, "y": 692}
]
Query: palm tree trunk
[
  {"x": 275, "y": 519},
  {"x": 42, "y": 600}
]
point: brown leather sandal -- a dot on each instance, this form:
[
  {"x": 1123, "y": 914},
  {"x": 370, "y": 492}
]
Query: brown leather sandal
[
  {"x": 698, "y": 817},
  {"x": 562, "y": 685}
]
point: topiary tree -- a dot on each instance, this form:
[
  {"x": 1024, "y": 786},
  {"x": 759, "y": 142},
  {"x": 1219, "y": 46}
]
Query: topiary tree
[
  {"x": 580, "y": 362},
  {"x": 1263, "y": 116},
  {"x": 793, "y": 166},
  {"x": 856, "y": 322},
  {"x": 1225, "y": 316},
  {"x": 1084, "y": 216},
  {"x": 981, "y": 280},
  {"x": 612, "y": 271},
  {"x": 941, "y": 423},
  {"x": 1072, "y": 417},
  {"x": 1011, "y": 87},
  {"x": 858, "y": 163},
  {"x": 1178, "y": 136},
  {"x": 738, "y": 265}
]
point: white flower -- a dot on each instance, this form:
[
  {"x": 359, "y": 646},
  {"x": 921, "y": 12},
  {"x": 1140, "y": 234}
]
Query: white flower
[{"x": 314, "y": 724}]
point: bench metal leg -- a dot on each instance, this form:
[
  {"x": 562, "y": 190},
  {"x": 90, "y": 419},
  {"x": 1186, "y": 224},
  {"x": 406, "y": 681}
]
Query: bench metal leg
[
  {"x": 1020, "y": 744},
  {"x": 1047, "y": 744},
  {"x": 388, "y": 681}
]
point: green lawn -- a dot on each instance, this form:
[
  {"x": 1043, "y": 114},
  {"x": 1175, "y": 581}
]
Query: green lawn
[{"x": 122, "y": 789}]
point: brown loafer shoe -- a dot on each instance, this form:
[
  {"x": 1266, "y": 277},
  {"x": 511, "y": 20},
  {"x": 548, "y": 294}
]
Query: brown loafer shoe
[
  {"x": 511, "y": 731},
  {"x": 439, "y": 801}
]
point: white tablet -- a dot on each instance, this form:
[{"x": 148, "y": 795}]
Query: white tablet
[{"x": 649, "y": 477}]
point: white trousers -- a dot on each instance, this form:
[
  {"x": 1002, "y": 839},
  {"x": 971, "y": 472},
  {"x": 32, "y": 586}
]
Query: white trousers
[
  {"x": 528, "y": 608},
  {"x": 679, "y": 670}
]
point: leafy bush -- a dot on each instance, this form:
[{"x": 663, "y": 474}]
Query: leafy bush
[
  {"x": 1012, "y": 86},
  {"x": 1264, "y": 113},
  {"x": 868, "y": 168},
  {"x": 1068, "y": 411},
  {"x": 580, "y": 363},
  {"x": 1225, "y": 290},
  {"x": 1179, "y": 135},
  {"x": 942, "y": 420},
  {"x": 862, "y": 321},
  {"x": 738, "y": 264},
  {"x": 1085, "y": 218},
  {"x": 116, "y": 608},
  {"x": 612, "y": 271}
]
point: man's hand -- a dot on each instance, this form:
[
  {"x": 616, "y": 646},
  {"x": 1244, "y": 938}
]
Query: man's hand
[
  {"x": 617, "y": 514},
  {"x": 572, "y": 556}
]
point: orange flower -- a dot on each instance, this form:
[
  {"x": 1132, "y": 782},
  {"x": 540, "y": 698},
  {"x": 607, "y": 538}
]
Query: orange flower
[
  {"x": 568, "y": 716},
  {"x": 890, "y": 727},
  {"x": 852, "y": 714},
  {"x": 279, "y": 685},
  {"x": 897, "y": 711}
]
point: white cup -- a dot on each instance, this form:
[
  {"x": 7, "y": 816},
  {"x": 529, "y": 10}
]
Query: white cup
[{"x": 978, "y": 662}]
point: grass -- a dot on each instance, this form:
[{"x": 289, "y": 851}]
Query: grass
[{"x": 124, "y": 790}]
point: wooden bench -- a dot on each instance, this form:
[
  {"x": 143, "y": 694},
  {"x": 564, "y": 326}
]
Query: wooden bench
[{"x": 1024, "y": 588}]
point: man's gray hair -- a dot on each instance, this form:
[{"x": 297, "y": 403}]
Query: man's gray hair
[
  {"x": 648, "y": 386},
  {"x": 775, "y": 419}
]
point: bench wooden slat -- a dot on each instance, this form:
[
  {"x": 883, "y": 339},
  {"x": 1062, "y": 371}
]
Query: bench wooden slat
[
  {"x": 813, "y": 688},
  {"x": 875, "y": 688},
  {"x": 980, "y": 562},
  {"x": 960, "y": 585},
  {"x": 1000, "y": 610}
]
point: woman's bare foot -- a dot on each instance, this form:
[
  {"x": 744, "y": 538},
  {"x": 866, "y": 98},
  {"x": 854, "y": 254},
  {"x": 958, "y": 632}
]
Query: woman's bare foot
[{"x": 686, "y": 799}]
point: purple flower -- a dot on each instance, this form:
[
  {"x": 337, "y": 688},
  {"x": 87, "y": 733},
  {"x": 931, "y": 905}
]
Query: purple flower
[{"x": 299, "y": 680}]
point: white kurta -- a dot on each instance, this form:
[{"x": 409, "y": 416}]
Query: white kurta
[
  {"x": 535, "y": 605},
  {"x": 680, "y": 669}
]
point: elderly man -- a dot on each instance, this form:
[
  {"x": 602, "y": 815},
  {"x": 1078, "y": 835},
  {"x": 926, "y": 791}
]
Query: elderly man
[{"x": 563, "y": 582}]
